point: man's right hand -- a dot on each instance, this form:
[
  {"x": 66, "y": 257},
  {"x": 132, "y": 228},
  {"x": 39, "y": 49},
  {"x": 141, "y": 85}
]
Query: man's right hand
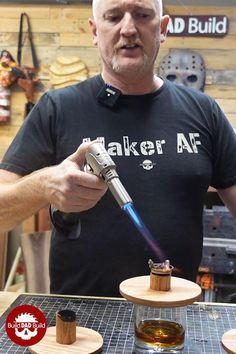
[{"x": 69, "y": 188}]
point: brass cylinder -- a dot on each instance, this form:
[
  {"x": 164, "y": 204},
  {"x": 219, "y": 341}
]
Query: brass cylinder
[{"x": 65, "y": 327}]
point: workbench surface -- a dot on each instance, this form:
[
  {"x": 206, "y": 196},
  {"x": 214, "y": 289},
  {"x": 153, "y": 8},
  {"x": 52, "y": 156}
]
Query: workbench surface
[{"x": 114, "y": 320}]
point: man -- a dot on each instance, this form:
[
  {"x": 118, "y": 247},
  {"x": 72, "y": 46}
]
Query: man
[{"x": 169, "y": 144}]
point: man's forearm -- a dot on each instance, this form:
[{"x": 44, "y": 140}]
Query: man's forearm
[
  {"x": 228, "y": 196},
  {"x": 20, "y": 199},
  {"x": 66, "y": 186}
]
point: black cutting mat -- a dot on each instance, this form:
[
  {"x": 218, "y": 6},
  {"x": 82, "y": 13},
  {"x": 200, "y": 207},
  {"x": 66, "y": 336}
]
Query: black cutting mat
[{"x": 114, "y": 320}]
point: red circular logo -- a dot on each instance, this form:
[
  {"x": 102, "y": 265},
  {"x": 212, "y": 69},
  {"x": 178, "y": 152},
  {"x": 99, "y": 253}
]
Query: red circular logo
[{"x": 26, "y": 325}]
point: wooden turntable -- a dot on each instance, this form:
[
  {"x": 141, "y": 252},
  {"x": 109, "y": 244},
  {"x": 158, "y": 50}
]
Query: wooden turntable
[
  {"x": 229, "y": 341},
  {"x": 67, "y": 338}
]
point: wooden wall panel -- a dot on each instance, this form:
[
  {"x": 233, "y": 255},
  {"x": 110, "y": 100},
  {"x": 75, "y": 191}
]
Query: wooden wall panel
[
  {"x": 200, "y": 10},
  {"x": 221, "y": 91},
  {"x": 196, "y": 43}
]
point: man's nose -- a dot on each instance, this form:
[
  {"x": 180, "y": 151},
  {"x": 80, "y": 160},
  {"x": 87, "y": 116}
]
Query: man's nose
[{"x": 128, "y": 27}]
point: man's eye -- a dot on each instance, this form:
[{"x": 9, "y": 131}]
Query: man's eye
[
  {"x": 113, "y": 18},
  {"x": 142, "y": 16}
]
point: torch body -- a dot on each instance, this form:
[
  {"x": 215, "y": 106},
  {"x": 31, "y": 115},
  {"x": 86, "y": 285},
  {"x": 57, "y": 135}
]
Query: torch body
[{"x": 101, "y": 164}]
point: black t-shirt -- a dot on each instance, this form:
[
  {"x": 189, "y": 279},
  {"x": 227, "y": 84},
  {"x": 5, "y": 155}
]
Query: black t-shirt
[{"x": 169, "y": 146}]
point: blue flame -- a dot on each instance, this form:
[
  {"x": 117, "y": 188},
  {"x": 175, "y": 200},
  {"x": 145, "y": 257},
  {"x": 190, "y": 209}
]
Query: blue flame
[{"x": 133, "y": 215}]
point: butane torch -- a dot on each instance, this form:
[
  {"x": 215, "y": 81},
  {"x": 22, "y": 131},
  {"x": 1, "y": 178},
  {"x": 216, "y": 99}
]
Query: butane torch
[{"x": 101, "y": 164}]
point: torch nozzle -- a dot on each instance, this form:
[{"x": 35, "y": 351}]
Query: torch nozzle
[{"x": 101, "y": 164}]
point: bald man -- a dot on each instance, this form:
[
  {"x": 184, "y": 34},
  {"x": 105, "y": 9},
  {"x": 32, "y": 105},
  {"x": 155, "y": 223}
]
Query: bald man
[{"x": 169, "y": 144}]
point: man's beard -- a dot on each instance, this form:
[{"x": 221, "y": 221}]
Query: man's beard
[{"x": 139, "y": 68}]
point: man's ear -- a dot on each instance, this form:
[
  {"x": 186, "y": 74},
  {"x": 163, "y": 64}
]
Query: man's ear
[
  {"x": 93, "y": 28},
  {"x": 164, "y": 27}
]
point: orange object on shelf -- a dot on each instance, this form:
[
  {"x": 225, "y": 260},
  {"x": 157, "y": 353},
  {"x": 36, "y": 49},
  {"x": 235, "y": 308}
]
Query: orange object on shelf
[{"x": 206, "y": 281}]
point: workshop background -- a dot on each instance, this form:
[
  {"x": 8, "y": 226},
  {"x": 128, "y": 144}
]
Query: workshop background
[{"x": 62, "y": 31}]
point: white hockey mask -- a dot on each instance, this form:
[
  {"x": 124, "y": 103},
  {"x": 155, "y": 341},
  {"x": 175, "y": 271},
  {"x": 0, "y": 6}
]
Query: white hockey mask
[{"x": 184, "y": 67}]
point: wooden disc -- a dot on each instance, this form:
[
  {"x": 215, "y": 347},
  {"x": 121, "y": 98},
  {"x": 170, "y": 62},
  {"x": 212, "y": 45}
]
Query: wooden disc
[
  {"x": 88, "y": 341},
  {"x": 229, "y": 341},
  {"x": 182, "y": 292}
]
